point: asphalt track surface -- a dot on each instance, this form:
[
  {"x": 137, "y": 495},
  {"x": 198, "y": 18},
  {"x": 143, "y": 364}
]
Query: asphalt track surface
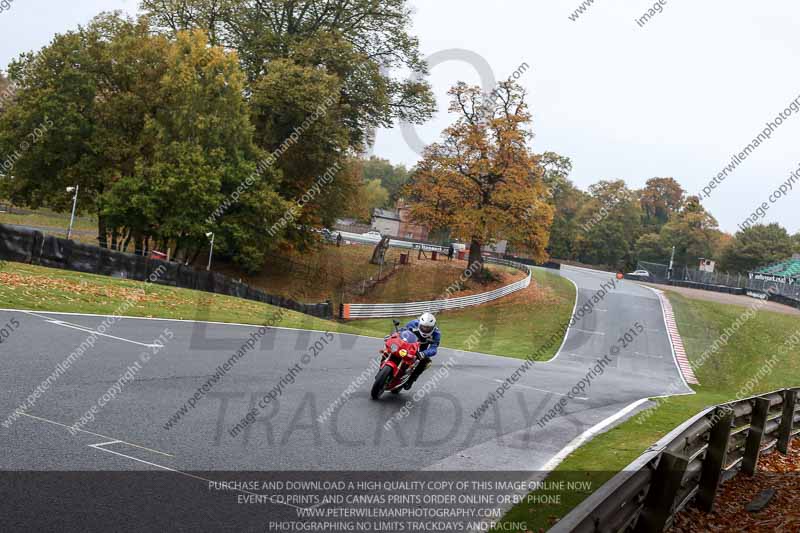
[{"x": 438, "y": 434}]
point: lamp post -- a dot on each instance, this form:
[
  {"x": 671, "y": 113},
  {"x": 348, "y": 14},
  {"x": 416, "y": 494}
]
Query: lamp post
[
  {"x": 74, "y": 205},
  {"x": 210, "y": 235}
]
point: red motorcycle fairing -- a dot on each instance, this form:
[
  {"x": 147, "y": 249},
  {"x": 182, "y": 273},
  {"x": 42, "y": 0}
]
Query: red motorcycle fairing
[{"x": 399, "y": 357}]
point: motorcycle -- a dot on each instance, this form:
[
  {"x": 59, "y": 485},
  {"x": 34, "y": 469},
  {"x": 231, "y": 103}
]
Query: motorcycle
[{"x": 398, "y": 363}]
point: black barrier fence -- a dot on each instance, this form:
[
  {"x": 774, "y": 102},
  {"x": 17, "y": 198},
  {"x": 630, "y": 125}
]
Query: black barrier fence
[
  {"x": 553, "y": 265},
  {"x": 29, "y": 246}
]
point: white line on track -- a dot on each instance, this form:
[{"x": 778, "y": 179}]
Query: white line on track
[
  {"x": 589, "y": 332},
  {"x": 87, "y": 330},
  {"x": 544, "y": 390},
  {"x": 101, "y": 446},
  {"x": 588, "y": 435},
  {"x": 95, "y": 434}
]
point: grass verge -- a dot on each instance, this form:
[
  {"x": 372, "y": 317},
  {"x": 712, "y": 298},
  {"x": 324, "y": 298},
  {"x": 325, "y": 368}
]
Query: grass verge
[
  {"x": 512, "y": 326},
  {"x": 38, "y": 288},
  {"x": 724, "y": 377}
]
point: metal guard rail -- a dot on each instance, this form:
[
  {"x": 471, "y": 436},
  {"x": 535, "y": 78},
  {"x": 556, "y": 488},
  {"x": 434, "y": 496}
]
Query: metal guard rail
[{"x": 351, "y": 311}]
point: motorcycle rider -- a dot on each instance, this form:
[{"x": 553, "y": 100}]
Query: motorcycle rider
[{"x": 429, "y": 338}]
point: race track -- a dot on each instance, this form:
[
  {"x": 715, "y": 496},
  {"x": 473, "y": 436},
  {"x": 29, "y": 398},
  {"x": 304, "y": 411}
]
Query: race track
[{"x": 292, "y": 433}]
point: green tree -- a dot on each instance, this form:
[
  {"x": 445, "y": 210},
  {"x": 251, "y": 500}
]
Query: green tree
[
  {"x": 609, "y": 225},
  {"x": 264, "y": 31},
  {"x": 693, "y": 232},
  {"x": 650, "y": 248},
  {"x": 566, "y": 200},
  {"x": 320, "y": 78},
  {"x": 757, "y": 246},
  {"x": 371, "y": 195},
  {"x": 156, "y": 132},
  {"x": 392, "y": 177}
]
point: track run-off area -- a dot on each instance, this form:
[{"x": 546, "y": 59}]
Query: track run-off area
[{"x": 166, "y": 396}]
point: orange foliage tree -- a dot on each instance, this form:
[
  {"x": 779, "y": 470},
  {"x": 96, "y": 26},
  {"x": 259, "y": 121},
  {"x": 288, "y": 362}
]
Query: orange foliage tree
[{"x": 482, "y": 182}]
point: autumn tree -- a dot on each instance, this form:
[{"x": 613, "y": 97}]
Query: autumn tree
[
  {"x": 482, "y": 181},
  {"x": 693, "y": 232},
  {"x": 371, "y": 193},
  {"x": 661, "y": 200}
]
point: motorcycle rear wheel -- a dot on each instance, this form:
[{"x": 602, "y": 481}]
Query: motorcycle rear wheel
[{"x": 381, "y": 380}]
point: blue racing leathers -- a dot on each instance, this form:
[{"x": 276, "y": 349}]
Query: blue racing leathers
[{"x": 428, "y": 346}]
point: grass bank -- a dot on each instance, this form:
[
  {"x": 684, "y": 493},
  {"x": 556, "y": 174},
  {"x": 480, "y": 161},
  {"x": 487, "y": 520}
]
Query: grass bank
[
  {"x": 512, "y": 326},
  {"x": 723, "y": 378}
]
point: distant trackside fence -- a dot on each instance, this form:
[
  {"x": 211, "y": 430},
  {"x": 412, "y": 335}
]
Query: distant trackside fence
[
  {"x": 689, "y": 464},
  {"x": 352, "y": 311},
  {"x": 29, "y": 246}
]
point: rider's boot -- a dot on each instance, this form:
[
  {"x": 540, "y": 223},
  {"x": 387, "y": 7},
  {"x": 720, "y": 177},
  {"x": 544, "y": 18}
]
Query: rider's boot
[{"x": 425, "y": 363}]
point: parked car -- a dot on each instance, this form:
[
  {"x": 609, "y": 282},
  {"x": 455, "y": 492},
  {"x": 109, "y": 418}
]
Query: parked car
[
  {"x": 641, "y": 274},
  {"x": 373, "y": 235}
]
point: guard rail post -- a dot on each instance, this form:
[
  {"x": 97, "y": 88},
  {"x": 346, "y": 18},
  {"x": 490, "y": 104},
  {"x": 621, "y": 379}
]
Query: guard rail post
[
  {"x": 664, "y": 488},
  {"x": 758, "y": 424},
  {"x": 787, "y": 420},
  {"x": 714, "y": 461}
]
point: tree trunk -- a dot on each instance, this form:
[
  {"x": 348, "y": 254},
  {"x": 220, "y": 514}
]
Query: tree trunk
[
  {"x": 114, "y": 235},
  {"x": 379, "y": 255},
  {"x": 475, "y": 255},
  {"x": 127, "y": 242},
  {"x": 102, "y": 238}
]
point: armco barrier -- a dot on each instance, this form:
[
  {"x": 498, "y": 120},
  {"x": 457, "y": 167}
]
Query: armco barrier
[
  {"x": 689, "y": 464},
  {"x": 351, "y": 311},
  {"x": 29, "y": 246}
]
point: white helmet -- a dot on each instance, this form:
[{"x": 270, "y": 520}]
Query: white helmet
[{"x": 427, "y": 323}]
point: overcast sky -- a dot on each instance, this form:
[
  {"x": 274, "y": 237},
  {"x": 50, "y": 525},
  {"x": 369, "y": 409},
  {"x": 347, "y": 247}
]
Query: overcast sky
[{"x": 677, "y": 97}]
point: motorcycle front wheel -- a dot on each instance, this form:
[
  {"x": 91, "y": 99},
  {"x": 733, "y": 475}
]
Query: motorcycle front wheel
[{"x": 381, "y": 380}]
